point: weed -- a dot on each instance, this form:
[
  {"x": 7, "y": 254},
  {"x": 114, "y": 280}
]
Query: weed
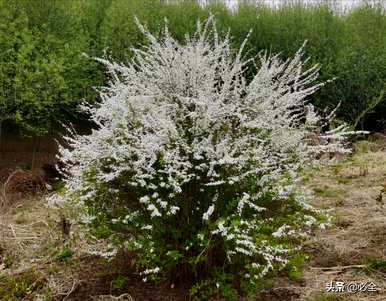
[
  {"x": 53, "y": 270},
  {"x": 325, "y": 297},
  {"x": 206, "y": 289},
  {"x": 8, "y": 261},
  {"x": 64, "y": 255},
  {"x": 328, "y": 192},
  {"x": 295, "y": 267},
  {"x": 21, "y": 286},
  {"x": 119, "y": 282},
  {"x": 375, "y": 263},
  {"x": 336, "y": 169}
]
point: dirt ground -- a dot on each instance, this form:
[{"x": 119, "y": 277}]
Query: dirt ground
[
  {"x": 39, "y": 262},
  {"x": 353, "y": 250}
]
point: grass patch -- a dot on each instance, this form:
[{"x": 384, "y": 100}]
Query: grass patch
[
  {"x": 328, "y": 192},
  {"x": 23, "y": 286},
  {"x": 64, "y": 255},
  {"x": 325, "y": 297},
  {"x": 8, "y": 261},
  {"x": 119, "y": 282},
  {"x": 296, "y": 266},
  {"x": 374, "y": 263},
  {"x": 342, "y": 180}
]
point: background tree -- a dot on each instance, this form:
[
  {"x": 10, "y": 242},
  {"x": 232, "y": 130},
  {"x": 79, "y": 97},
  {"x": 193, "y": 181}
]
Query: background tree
[{"x": 14, "y": 35}]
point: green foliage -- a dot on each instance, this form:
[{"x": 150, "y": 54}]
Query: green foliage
[
  {"x": 8, "y": 261},
  {"x": 18, "y": 287},
  {"x": 328, "y": 192},
  {"x": 350, "y": 49},
  {"x": 101, "y": 231},
  {"x": 325, "y": 297},
  {"x": 377, "y": 264},
  {"x": 43, "y": 75},
  {"x": 218, "y": 286},
  {"x": 13, "y": 35},
  {"x": 64, "y": 254},
  {"x": 295, "y": 267},
  {"x": 119, "y": 282}
]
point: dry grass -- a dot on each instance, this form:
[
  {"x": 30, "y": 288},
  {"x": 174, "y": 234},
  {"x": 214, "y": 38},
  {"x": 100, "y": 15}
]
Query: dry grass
[
  {"x": 32, "y": 242},
  {"x": 112, "y": 298},
  {"x": 25, "y": 227},
  {"x": 359, "y": 233}
]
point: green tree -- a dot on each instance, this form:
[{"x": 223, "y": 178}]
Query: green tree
[{"x": 13, "y": 35}]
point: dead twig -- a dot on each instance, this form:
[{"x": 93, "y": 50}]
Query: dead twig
[
  {"x": 74, "y": 286},
  {"x": 16, "y": 238},
  {"x": 344, "y": 267},
  {"x": 122, "y": 297}
]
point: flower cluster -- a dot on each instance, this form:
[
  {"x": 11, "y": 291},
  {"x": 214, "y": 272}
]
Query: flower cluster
[{"x": 193, "y": 167}]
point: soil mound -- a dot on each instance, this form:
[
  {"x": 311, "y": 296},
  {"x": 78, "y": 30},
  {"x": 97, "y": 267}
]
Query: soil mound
[{"x": 22, "y": 181}]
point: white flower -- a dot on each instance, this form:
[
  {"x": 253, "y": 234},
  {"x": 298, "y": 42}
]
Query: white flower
[
  {"x": 154, "y": 210},
  {"x": 208, "y": 213},
  {"x": 144, "y": 199},
  {"x": 174, "y": 209},
  {"x": 185, "y": 116},
  {"x": 200, "y": 236},
  {"x": 281, "y": 231},
  {"x": 150, "y": 271}
]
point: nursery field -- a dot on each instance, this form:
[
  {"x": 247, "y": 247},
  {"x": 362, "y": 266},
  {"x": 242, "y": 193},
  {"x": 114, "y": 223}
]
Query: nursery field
[{"x": 40, "y": 260}]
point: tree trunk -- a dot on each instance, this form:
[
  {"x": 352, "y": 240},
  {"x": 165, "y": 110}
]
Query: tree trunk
[
  {"x": 1, "y": 123},
  {"x": 36, "y": 146}
]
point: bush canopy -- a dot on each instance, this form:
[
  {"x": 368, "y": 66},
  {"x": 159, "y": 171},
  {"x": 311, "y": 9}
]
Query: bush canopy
[{"x": 195, "y": 169}]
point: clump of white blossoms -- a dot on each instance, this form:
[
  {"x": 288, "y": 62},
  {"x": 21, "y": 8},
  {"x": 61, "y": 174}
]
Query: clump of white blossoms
[{"x": 194, "y": 168}]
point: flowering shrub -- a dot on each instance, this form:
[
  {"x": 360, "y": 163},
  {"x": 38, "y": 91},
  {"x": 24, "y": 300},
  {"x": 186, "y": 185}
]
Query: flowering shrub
[{"x": 195, "y": 169}]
